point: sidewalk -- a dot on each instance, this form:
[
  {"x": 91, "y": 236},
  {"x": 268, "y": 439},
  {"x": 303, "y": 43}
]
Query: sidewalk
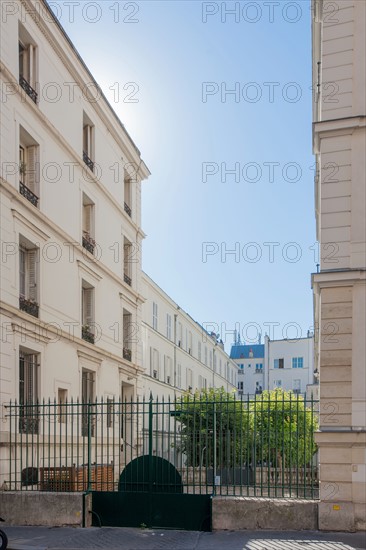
[{"x": 114, "y": 538}]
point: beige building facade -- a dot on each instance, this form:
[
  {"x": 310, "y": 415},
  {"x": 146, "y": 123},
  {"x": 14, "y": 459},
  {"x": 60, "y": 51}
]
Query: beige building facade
[{"x": 339, "y": 141}]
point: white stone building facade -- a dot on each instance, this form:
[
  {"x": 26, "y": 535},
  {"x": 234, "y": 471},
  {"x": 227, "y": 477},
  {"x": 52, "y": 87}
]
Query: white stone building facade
[
  {"x": 70, "y": 297},
  {"x": 178, "y": 353}
]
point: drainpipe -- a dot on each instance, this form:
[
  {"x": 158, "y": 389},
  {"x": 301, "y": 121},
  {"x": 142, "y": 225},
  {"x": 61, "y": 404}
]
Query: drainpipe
[{"x": 175, "y": 350}]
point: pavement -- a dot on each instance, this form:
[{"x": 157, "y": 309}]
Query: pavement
[{"x": 115, "y": 538}]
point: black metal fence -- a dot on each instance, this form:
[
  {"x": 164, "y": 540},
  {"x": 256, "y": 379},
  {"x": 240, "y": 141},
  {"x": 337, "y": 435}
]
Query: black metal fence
[{"x": 261, "y": 447}]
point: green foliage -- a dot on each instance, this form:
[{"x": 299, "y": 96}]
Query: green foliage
[
  {"x": 282, "y": 429},
  {"x": 275, "y": 429},
  {"x": 198, "y": 414}
]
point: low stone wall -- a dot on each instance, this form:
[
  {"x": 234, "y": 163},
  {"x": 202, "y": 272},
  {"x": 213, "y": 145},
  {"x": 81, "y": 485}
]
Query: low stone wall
[
  {"x": 238, "y": 513},
  {"x": 42, "y": 508}
]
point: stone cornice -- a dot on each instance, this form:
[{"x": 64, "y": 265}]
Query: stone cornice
[
  {"x": 25, "y": 221},
  {"x": 64, "y": 237},
  {"x": 47, "y": 332},
  {"x": 326, "y": 279},
  {"x": 89, "y": 271}
]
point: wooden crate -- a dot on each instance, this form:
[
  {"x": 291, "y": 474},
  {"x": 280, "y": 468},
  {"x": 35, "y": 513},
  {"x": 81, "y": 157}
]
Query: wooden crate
[
  {"x": 73, "y": 479},
  {"x": 57, "y": 478}
]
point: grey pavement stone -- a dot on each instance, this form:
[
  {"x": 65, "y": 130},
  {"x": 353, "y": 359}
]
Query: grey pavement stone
[{"x": 114, "y": 538}]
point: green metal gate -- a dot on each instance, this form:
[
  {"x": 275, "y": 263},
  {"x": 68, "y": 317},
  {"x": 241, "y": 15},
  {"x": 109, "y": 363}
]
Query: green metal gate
[{"x": 151, "y": 495}]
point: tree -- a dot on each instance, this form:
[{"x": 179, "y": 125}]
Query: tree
[
  {"x": 274, "y": 429},
  {"x": 282, "y": 429},
  {"x": 213, "y": 423}
]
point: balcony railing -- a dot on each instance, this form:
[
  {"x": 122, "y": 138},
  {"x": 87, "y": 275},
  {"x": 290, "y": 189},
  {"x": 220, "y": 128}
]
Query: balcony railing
[
  {"x": 127, "y": 279},
  {"x": 258, "y": 371},
  {"x": 88, "y": 242},
  {"x": 28, "y": 194},
  {"x": 128, "y": 210},
  {"x": 29, "y": 306},
  {"x": 88, "y": 161},
  {"x": 87, "y": 334},
  {"x": 28, "y": 89},
  {"x": 127, "y": 354}
]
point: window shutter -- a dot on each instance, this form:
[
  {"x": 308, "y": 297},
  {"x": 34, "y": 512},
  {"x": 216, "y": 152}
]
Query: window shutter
[
  {"x": 32, "y": 274},
  {"x": 32, "y": 168},
  {"x": 30, "y": 378},
  {"x": 88, "y": 316},
  {"x": 22, "y": 285},
  {"x": 87, "y": 218}
]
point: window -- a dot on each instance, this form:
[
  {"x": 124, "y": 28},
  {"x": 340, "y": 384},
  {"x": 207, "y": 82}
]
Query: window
[
  {"x": 214, "y": 361},
  {"x": 168, "y": 369},
  {"x": 62, "y": 407},
  {"x": 296, "y": 386},
  {"x": 297, "y": 362},
  {"x": 28, "y": 277},
  {"x": 278, "y": 363},
  {"x": 88, "y": 418},
  {"x": 155, "y": 316},
  {"x": 190, "y": 345},
  {"x": 28, "y": 392},
  {"x": 154, "y": 363},
  {"x": 189, "y": 379},
  {"x": 210, "y": 358},
  {"x": 220, "y": 371},
  {"x": 168, "y": 326},
  {"x": 28, "y": 167},
  {"x": 259, "y": 367},
  {"x": 88, "y": 142},
  {"x": 206, "y": 355},
  {"x": 277, "y": 383},
  {"x": 179, "y": 376},
  {"x": 127, "y": 261},
  {"x": 180, "y": 335},
  {"x": 240, "y": 386},
  {"x": 88, "y": 224},
  {"x": 87, "y": 312},
  {"x": 110, "y": 412},
  {"x": 127, "y": 335},
  {"x": 28, "y": 57},
  {"x": 127, "y": 196}
]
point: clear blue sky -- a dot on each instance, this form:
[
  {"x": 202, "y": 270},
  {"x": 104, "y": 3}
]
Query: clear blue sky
[{"x": 169, "y": 53}]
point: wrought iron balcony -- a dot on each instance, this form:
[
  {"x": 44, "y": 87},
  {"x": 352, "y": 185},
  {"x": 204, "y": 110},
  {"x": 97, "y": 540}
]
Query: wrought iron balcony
[
  {"x": 127, "y": 354},
  {"x": 29, "y": 306},
  {"x": 28, "y": 89},
  {"x": 128, "y": 210},
  {"x": 88, "y": 161},
  {"x": 86, "y": 334},
  {"x": 88, "y": 242},
  {"x": 258, "y": 371},
  {"x": 127, "y": 279},
  {"x": 28, "y": 194}
]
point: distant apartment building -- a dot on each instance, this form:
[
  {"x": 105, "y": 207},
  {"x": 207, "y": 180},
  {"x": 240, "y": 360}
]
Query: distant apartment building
[
  {"x": 178, "y": 353},
  {"x": 286, "y": 364},
  {"x": 339, "y": 144}
]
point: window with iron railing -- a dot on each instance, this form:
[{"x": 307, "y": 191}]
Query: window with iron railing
[
  {"x": 28, "y": 61},
  {"x": 127, "y": 261},
  {"x": 88, "y": 224},
  {"x": 28, "y": 278},
  {"x": 28, "y": 167},
  {"x": 28, "y": 392},
  {"x": 87, "y": 312},
  {"x": 88, "y": 142}
]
